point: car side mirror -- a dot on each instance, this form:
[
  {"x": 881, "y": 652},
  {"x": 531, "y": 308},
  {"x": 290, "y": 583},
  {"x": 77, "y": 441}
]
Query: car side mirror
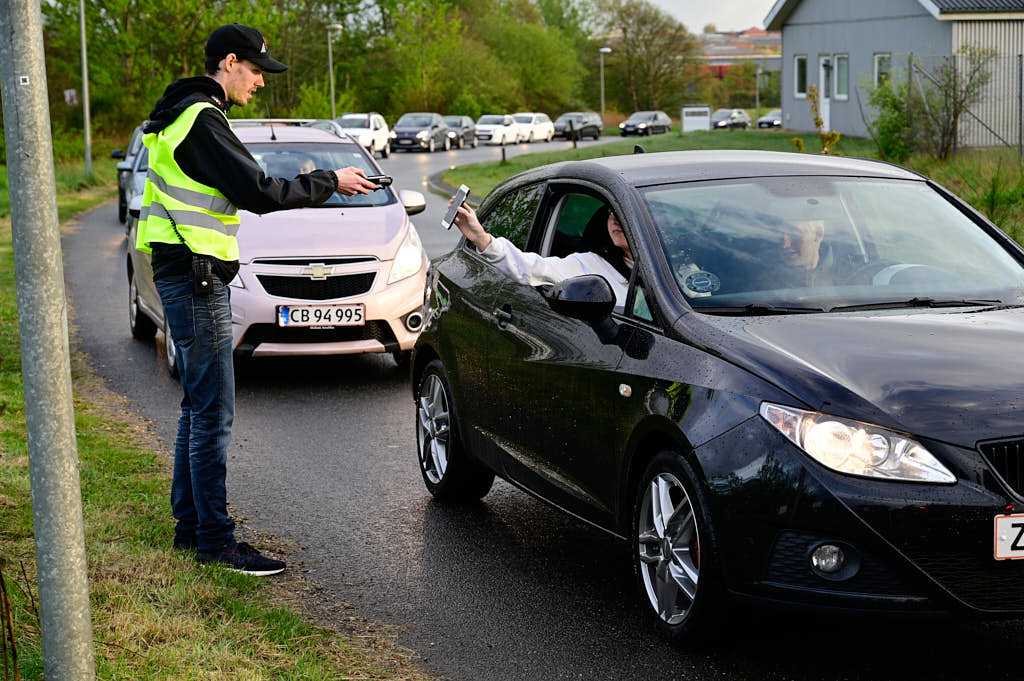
[
  {"x": 124, "y": 167},
  {"x": 135, "y": 207},
  {"x": 117, "y": 153},
  {"x": 414, "y": 202},
  {"x": 588, "y": 298}
]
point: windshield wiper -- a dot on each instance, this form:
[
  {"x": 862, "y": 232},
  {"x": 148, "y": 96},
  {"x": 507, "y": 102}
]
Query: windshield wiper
[
  {"x": 758, "y": 309},
  {"x": 916, "y": 302}
]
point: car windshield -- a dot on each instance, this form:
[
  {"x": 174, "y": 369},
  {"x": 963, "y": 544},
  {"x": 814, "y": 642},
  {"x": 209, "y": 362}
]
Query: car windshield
[
  {"x": 523, "y": 119},
  {"x": 774, "y": 114},
  {"x": 413, "y": 121},
  {"x": 721, "y": 114},
  {"x": 490, "y": 120},
  {"x": 355, "y": 122},
  {"x": 142, "y": 162},
  {"x": 453, "y": 121},
  {"x": 565, "y": 118},
  {"x": 641, "y": 117},
  {"x": 827, "y": 242},
  {"x": 288, "y": 160}
]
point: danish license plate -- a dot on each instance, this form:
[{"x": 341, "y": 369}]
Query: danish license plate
[
  {"x": 320, "y": 315},
  {"x": 1010, "y": 537},
  {"x": 405, "y": 141}
]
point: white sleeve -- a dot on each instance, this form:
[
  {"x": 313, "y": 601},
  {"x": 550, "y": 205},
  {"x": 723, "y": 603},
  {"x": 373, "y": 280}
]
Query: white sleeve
[{"x": 532, "y": 269}]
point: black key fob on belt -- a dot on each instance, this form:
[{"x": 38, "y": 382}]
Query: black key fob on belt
[{"x": 202, "y": 275}]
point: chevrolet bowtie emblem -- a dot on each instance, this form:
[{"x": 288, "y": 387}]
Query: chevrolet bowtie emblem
[{"x": 317, "y": 271}]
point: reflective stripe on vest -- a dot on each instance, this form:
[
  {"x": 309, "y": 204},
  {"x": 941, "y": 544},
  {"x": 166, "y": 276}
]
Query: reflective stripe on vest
[{"x": 205, "y": 218}]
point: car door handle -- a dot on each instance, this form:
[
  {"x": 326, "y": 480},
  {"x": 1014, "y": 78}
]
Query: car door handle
[{"x": 504, "y": 315}]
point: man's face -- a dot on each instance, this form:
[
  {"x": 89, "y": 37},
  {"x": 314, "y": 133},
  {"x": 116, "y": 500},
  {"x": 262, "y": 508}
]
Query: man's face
[
  {"x": 801, "y": 245},
  {"x": 242, "y": 79}
]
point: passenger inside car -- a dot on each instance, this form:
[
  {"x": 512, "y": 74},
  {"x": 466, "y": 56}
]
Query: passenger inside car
[{"x": 602, "y": 249}]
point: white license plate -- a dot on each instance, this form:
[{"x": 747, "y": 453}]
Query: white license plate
[
  {"x": 405, "y": 141},
  {"x": 321, "y": 315},
  {"x": 1010, "y": 537}
]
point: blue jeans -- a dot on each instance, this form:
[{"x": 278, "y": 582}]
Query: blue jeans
[{"x": 201, "y": 329}]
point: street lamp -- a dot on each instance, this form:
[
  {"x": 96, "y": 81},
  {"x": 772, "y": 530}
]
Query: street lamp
[
  {"x": 331, "y": 28},
  {"x": 85, "y": 90},
  {"x": 603, "y": 51}
]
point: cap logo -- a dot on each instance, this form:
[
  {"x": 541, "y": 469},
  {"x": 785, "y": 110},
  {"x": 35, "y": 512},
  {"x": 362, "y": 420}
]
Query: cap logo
[{"x": 263, "y": 49}]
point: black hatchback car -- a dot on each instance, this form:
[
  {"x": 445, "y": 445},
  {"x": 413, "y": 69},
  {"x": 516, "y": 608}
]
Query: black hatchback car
[
  {"x": 645, "y": 123},
  {"x": 420, "y": 131},
  {"x": 812, "y": 393},
  {"x": 461, "y": 131},
  {"x": 579, "y": 124}
]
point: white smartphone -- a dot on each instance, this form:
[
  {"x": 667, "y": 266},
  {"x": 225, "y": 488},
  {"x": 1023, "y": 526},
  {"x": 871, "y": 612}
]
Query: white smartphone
[{"x": 453, "y": 210}]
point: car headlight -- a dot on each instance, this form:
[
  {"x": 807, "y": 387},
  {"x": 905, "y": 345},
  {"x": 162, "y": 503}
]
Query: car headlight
[
  {"x": 642, "y": 126},
  {"x": 422, "y": 135},
  {"x": 392, "y": 134},
  {"x": 856, "y": 448},
  {"x": 237, "y": 282},
  {"x": 409, "y": 258},
  {"x": 622, "y": 125},
  {"x": 451, "y": 134}
]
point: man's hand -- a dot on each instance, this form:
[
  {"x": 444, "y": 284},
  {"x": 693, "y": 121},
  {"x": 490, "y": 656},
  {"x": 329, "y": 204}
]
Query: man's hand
[
  {"x": 470, "y": 226},
  {"x": 353, "y": 181}
]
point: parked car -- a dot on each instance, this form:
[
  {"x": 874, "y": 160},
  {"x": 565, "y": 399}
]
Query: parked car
[
  {"x": 344, "y": 278},
  {"x": 369, "y": 129},
  {"x": 730, "y": 118},
  {"x": 126, "y": 159},
  {"x": 772, "y": 119},
  {"x": 462, "y": 131},
  {"x": 578, "y": 124},
  {"x": 645, "y": 123},
  {"x": 135, "y": 180},
  {"x": 532, "y": 127},
  {"x": 811, "y": 394},
  {"x": 496, "y": 129},
  {"x": 423, "y": 131}
]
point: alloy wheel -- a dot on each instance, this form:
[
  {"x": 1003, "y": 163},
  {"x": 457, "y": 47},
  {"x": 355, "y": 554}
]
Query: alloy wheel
[
  {"x": 447, "y": 143},
  {"x": 170, "y": 354},
  {"x": 433, "y": 425},
  {"x": 133, "y": 303},
  {"x": 669, "y": 548},
  {"x": 432, "y": 146}
]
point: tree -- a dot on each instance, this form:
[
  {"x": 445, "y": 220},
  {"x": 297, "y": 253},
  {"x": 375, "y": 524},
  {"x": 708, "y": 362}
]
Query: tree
[{"x": 651, "y": 52}]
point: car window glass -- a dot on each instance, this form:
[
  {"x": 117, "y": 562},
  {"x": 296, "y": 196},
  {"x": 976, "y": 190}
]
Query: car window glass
[
  {"x": 641, "y": 308},
  {"x": 142, "y": 160},
  {"x": 512, "y": 216},
  {"x": 575, "y": 212}
]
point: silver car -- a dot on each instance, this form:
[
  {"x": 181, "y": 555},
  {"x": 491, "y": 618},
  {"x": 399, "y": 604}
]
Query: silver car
[{"x": 347, "y": 277}]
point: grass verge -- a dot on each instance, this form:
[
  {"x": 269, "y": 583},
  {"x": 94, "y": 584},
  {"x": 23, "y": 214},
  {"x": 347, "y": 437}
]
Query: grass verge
[
  {"x": 156, "y": 613},
  {"x": 992, "y": 180}
]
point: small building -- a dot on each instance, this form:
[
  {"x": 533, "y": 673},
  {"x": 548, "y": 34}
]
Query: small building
[{"x": 844, "y": 48}]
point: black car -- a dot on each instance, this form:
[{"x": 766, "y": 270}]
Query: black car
[
  {"x": 461, "y": 131},
  {"x": 579, "y": 124},
  {"x": 730, "y": 119},
  {"x": 420, "y": 131},
  {"x": 811, "y": 393},
  {"x": 126, "y": 160},
  {"x": 772, "y": 119},
  {"x": 645, "y": 123}
]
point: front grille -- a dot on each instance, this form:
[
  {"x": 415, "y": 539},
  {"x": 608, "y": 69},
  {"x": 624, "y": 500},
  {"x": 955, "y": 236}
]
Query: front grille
[
  {"x": 271, "y": 333},
  {"x": 306, "y": 262},
  {"x": 790, "y": 565},
  {"x": 1007, "y": 458},
  {"x": 304, "y": 288}
]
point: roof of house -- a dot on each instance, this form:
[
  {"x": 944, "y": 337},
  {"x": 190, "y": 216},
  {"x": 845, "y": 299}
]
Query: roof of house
[{"x": 782, "y": 9}]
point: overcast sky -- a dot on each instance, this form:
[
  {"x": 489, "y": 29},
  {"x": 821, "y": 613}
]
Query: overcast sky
[{"x": 726, "y": 15}]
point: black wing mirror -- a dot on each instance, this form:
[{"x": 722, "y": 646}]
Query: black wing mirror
[
  {"x": 118, "y": 154},
  {"x": 588, "y": 298}
]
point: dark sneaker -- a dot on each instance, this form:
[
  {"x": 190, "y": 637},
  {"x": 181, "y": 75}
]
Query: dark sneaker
[
  {"x": 185, "y": 542},
  {"x": 242, "y": 557}
]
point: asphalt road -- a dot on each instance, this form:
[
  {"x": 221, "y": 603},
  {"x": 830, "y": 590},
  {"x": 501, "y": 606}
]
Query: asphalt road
[{"x": 324, "y": 458}]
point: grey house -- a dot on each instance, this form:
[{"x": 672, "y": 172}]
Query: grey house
[{"x": 840, "y": 46}]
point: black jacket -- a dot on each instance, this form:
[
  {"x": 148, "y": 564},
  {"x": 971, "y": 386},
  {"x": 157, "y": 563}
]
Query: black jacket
[{"x": 213, "y": 155}]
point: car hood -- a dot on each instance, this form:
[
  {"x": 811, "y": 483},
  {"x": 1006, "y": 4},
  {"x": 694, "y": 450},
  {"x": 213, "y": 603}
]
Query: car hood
[
  {"x": 487, "y": 127},
  {"x": 955, "y": 376},
  {"x": 404, "y": 129},
  {"x": 373, "y": 231}
]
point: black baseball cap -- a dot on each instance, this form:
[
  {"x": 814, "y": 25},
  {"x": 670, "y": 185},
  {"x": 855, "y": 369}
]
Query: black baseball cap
[{"x": 245, "y": 43}]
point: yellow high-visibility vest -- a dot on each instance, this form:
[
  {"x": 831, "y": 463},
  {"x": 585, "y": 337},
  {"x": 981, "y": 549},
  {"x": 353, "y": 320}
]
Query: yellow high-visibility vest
[{"x": 206, "y": 219}]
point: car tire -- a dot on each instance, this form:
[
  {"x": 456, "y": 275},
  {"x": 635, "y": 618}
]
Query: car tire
[
  {"x": 170, "y": 357},
  {"x": 385, "y": 152},
  {"x": 680, "y": 585},
  {"x": 142, "y": 327},
  {"x": 432, "y": 147},
  {"x": 529, "y": 138},
  {"x": 462, "y": 142},
  {"x": 122, "y": 207},
  {"x": 475, "y": 143},
  {"x": 449, "y": 472},
  {"x": 447, "y": 143}
]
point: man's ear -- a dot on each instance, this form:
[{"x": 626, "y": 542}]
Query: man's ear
[{"x": 228, "y": 62}]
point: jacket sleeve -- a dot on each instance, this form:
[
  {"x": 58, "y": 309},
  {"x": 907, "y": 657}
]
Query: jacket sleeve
[{"x": 213, "y": 155}]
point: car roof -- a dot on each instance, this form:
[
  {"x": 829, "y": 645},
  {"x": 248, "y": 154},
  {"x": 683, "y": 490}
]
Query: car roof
[
  {"x": 642, "y": 170},
  {"x": 287, "y": 133}
]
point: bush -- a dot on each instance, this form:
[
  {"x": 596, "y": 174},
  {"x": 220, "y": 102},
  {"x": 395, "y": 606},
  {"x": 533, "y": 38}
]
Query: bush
[{"x": 890, "y": 128}]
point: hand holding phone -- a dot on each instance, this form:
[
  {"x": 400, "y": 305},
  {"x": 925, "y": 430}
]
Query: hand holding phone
[{"x": 453, "y": 206}]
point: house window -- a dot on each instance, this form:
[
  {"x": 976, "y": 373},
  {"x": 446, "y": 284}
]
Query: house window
[
  {"x": 883, "y": 68},
  {"x": 842, "y": 79},
  {"x": 800, "y": 76}
]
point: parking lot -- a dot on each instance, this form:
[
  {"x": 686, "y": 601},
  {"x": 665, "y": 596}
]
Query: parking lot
[{"x": 324, "y": 460}]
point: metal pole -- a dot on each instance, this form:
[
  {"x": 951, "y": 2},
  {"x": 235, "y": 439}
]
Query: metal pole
[
  {"x": 602, "y": 87},
  {"x": 1020, "y": 105},
  {"x": 85, "y": 90},
  {"x": 330, "y": 70},
  {"x": 45, "y": 362},
  {"x": 757, "y": 91}
]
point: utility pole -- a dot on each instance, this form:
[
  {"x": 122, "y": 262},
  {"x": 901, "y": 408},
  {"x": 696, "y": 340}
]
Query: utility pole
[
  {"x": 603, "y": 51},
  {"x": 330, "y": 63},
  {"x": 85, "y": 90},
  {"x": 45, "y": 362},
  {"x": 757, "y": 91}
]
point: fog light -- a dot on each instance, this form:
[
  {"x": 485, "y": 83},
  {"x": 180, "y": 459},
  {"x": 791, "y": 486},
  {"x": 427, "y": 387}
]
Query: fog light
[
  {"x": 414, "y": 322},
  {"x": 828, "y": 559}
]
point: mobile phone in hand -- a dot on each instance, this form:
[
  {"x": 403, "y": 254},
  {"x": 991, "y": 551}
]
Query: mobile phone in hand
[
  {"x": 380, "y": 180},
  {"x": 453, "y": 209}
]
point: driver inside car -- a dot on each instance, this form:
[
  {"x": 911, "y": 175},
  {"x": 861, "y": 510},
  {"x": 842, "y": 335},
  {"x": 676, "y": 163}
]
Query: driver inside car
[{"x": 608, "y": 254}]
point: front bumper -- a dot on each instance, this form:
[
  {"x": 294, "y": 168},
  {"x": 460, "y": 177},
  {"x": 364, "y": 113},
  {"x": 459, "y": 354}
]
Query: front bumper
[
  {"x": 410, "y": 143},
  {"x": 256, "y": 334},
  {"x": 919, "y": 548}
]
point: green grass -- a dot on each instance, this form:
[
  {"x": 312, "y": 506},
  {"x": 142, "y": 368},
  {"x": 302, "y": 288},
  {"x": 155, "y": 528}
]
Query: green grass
[
  {"x": 75, "y": 190},
  {"x": 156, "y": 613},
  {"x": 992, "y": 180}
]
